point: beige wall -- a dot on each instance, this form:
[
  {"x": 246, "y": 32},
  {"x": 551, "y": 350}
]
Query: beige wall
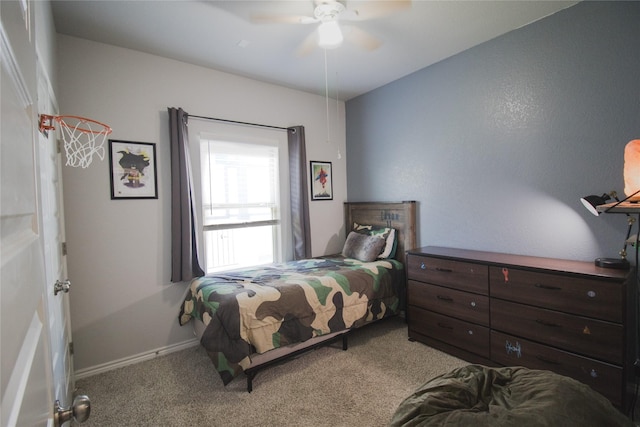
[{"x": 123, "y": 307}]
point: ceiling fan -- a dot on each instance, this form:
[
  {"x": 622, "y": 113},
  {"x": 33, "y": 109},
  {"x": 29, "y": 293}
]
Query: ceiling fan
[{"x": 330, "y": 15}]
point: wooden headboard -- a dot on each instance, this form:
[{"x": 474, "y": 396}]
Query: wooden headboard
[{"x": 398, "y": 215}]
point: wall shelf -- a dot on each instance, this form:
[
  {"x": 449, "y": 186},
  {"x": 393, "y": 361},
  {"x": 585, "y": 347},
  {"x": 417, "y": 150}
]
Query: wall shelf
[{"x": 624, "y": 207}]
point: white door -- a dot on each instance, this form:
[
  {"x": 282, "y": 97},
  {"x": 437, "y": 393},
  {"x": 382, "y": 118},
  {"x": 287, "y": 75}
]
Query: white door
[
  {"x": 29, "y": 380},
  {"x": 53, "y": 236}
]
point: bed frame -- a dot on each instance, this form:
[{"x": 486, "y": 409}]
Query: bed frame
[{"x": 398, "y": 215}]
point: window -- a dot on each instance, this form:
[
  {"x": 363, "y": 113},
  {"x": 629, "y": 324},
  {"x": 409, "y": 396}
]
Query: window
[{"x": 244, "y": 198}]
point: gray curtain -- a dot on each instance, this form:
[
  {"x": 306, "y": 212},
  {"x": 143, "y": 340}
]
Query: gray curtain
[
  {"x": 299, "y": 193},
  {"x": 185, "y": 263}
]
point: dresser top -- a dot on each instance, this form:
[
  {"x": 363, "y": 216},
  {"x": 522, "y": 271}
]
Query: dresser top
[{"x": 523, "y": 261}]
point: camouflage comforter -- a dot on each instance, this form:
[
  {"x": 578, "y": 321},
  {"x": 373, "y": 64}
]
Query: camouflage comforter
[{"x": 259, "y": 309}]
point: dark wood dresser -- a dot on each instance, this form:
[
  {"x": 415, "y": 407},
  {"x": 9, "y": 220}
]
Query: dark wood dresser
[{"x": 569, "y": 317}]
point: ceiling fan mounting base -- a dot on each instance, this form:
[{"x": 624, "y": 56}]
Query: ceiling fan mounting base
[{"x": 328, "y": 10}]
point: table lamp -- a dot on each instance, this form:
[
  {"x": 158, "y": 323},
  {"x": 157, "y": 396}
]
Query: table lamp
[{"x": 591, "y": 203}]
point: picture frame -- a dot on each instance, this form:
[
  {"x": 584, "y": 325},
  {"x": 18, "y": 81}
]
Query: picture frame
[
  {"x": 132, "y": 169},
  {"x": 321, "y": 180}
]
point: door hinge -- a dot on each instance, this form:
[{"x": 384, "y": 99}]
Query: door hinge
[
  {"x": 64, "y": 248},
  {"x": 71, "y": 348}
]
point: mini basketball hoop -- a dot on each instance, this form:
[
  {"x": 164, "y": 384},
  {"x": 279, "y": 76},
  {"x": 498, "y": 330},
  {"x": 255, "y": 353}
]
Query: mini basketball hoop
[{"x": 82, "y": 137}]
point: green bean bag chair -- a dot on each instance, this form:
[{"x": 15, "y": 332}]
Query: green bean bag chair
[{"x": 476, "y": 395}]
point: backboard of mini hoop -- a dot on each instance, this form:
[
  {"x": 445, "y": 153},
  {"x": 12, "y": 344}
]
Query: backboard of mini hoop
[{"x": 83, "y": 138}]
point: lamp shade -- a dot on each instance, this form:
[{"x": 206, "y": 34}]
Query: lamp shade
[
  {"x": 632, "y": 170},
  {"x": 329, "y": 35},
  {"x": 592, "y": 202}
]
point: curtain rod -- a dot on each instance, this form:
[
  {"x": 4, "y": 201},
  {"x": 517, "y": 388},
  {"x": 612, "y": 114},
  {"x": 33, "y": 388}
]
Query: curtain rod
[{"x": 237, "y": 122}]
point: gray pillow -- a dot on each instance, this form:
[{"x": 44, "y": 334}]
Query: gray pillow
[{"x": 362, "y": 247}]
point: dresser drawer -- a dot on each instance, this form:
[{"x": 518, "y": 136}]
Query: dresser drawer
[
  {"x": 462, "y": 305},
  {"x": 454, "y": 274},
  {"x": 590, "y": 337},
  {"x": 582, "y": 296},
  {"x": 604, "y": 378},
  {"x": 465, "y": 335}
]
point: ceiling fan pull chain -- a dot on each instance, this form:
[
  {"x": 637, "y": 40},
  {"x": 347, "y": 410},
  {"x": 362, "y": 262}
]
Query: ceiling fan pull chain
[
  {"x": 338, "y": 109},
  {"x": 326, "y": 91}
]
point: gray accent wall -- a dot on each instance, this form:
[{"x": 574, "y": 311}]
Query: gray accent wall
[{"x": 498, "y": 143}]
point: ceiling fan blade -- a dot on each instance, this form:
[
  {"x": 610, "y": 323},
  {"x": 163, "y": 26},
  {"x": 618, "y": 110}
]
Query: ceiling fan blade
[
  {"x": 359, "y": 10},
  {"x": 308, "y": 44},
  {"x": 283, "y": 19},
  {"x": 361, "y": 38}
]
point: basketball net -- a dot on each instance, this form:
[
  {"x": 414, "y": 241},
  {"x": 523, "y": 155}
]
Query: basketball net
[{"x": 83, "y": 138}]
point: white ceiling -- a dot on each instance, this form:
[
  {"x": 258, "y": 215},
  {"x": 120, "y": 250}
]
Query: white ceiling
[{"x": 222, "y": 36}]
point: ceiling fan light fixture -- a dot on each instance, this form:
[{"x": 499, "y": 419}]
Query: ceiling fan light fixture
[{"x": 329, "y": 35}]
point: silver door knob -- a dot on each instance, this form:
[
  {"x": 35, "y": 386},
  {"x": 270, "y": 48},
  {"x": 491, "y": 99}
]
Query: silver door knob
[
  {"x": 79, "y": 411},
  {"x": 61, "y": 286}
]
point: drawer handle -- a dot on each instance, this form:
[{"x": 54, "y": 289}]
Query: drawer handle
[
  {"x": 442, "y": 325},
  {"x": 511, "y": 348},
  {"x": 549, "y": 324},
  {"x": 444, "y": 270},
  {"x": 547, "y": 287},
  {"x": 444, "y": 298},
  {"x": 549, "y": 361}
]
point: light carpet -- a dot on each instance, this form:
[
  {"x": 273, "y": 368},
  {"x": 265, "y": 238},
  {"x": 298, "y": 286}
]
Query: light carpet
[{"x": 362, "y": 386}]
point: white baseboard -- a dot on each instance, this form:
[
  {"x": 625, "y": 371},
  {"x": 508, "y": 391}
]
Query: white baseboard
[{"x": 110, "y": 366}]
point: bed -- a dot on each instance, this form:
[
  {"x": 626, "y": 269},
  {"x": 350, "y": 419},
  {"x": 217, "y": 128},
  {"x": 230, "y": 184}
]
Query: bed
[
  {"x": 251, "y": 318},
  {"x": 477, "y": 395}
]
